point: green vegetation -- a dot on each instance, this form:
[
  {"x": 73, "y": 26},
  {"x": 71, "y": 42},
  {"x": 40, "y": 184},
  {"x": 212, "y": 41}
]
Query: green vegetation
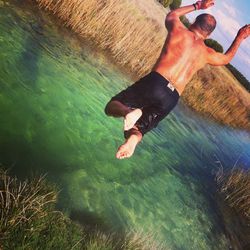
[
  {"x": 175, "y": 4},
  {"x": 214, "y": 45},
  {"x": 165, "y": 3},
  {"x": 172, "y": 4},
  {"x": 29, "y": 221},
  {"x": 241, "y": 78},
  {"x": 185, "y": 21}
]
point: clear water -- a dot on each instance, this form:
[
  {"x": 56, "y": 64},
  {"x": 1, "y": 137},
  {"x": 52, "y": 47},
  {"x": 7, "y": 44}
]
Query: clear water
[{"x": 53, "y": 90}]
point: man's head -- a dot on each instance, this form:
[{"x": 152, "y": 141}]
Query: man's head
[{"x": 206, "y": 23}]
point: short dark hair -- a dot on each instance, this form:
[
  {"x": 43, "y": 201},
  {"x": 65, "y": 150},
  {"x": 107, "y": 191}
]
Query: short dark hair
[{"x": 206, "y": 22}]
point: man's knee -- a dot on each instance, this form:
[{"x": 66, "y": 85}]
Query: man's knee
[{"x": 107, "y": 109}]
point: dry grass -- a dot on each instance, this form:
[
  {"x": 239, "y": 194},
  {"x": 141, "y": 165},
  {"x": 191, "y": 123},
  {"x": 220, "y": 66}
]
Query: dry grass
[
  {"x": 235, "y": 186},
  {"x": 234, "y": 203},
  {"x": 21, "y": 202},
  {"x": 131, "y": 241},
  {"x": 141, "y": 241},
  {"x": 133, "y": 33},
  {"x": 217, "y": 94},
  {"x": 117, "y": 26}
]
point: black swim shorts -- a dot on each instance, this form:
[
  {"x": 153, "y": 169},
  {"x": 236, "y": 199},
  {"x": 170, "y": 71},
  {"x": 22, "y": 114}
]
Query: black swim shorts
[{"x": 154, "y": 95}]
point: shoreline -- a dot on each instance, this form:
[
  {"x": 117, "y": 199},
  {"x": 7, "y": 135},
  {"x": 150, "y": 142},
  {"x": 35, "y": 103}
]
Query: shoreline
[{"x": 126, "y": 30}]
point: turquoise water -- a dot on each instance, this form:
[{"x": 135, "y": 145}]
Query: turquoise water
[{"x": 53, "y": 89}]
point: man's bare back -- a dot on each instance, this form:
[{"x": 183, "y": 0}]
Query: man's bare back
[
  {"x": 183, "y": 54},
  {"x": 145, "y": 103}
]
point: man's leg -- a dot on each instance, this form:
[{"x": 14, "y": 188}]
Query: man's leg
[
  {"x": 117, "y": 109},
  {"x": 127, "y": 149}
]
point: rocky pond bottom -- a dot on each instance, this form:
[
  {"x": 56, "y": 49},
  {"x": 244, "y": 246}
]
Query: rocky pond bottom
[{"x": 53, "y": 90}]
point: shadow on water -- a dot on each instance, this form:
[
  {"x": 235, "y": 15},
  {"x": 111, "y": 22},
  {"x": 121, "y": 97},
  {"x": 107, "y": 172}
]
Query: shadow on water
[
  {"x": 24, "y": 67},
  {"x": 28, "y": 61},
  {"x": 91, "y": 221},
  {"x": 96, "y": 225},
  {"x": 21, "y": 162}
]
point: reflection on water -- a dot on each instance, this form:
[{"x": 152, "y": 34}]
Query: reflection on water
[{"x": 53, "y": 92}]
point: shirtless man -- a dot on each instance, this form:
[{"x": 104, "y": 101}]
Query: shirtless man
[{"x": 145, "y": 103}]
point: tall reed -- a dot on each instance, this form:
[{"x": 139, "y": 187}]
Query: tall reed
[
  {"x": 233, "y": 200},
  {"x": 216, "y": 94},
  {"x": 133, "y": 32},
  {"x": 118, "y": 26},
  {"x": 235, "y": 186},
  {"x": 22, "y": 202}
]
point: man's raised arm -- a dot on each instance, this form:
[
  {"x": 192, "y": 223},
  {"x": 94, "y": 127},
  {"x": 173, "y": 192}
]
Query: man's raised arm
[
  {"x": 199, "y": 5},
  {"x": 219, "y": 59}
]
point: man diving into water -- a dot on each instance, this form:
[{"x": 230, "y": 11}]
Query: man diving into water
[{"x": 145, "y": 103}]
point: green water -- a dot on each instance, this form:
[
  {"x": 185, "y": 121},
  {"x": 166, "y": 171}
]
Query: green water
[{"x": 53, "y": 90}]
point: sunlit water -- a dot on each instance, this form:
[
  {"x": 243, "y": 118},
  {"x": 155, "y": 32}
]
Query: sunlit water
[{"x": 53, "y": 92}]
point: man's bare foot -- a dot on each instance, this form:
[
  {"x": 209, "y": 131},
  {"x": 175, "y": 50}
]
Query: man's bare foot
[
  {"x": 127, "y": 149},
  {"x": 131, "y": 118}
]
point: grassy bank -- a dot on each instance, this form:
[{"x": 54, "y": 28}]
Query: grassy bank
[
  {"x": 133, "y": 33},
  {"x": 215, "y": 93},
  {"x": 234, "y": 199},
  {"x": 29, "y": 220}
]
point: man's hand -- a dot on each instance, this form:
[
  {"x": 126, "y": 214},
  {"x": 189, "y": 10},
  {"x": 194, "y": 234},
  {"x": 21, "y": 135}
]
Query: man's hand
[
  {"x": 244, "y": 32},
  {"x": 204, "y": 4}
]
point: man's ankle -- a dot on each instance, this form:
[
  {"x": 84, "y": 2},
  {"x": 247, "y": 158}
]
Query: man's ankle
[
  {"x": 135, "y": 137},
  {"x": 135, "y": 133}
]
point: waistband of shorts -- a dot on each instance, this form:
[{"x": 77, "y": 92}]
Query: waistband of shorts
[{"x": 168, "y": 83}]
